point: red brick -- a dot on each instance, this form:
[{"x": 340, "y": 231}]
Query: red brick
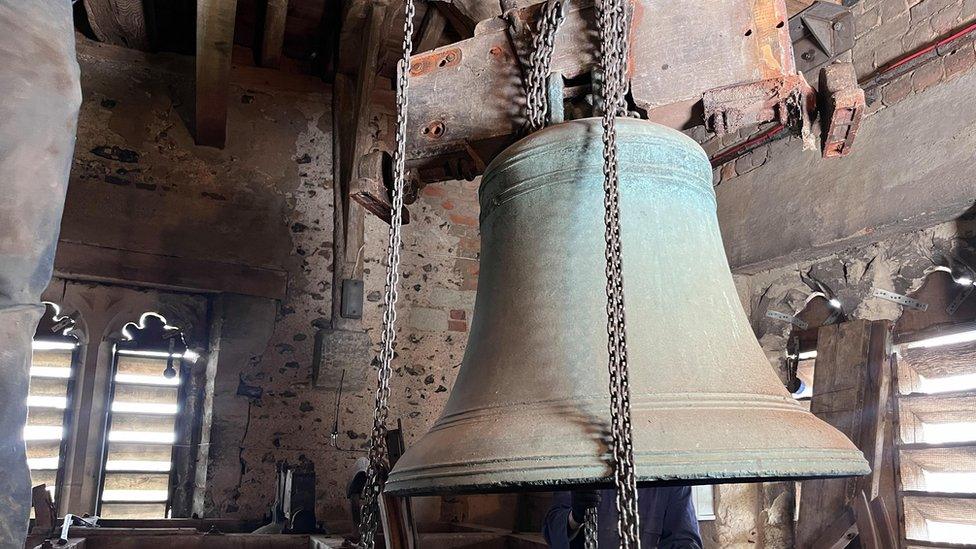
[
  {"x": 897, "y": 89},
  {"x": 457, "y": 314},
  {"x": 434, "y": 190},
  {"x": 927, "y": 75},
  {"x": 464, "y": 220},
  {"x": 959, "y": 61},
  {"x": 457, "y": 326},
  {"x": 471, "y": 244}
]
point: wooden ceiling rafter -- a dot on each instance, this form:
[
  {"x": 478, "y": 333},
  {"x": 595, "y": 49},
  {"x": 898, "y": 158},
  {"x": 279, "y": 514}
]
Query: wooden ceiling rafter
[{"x": 215, "y": 44}]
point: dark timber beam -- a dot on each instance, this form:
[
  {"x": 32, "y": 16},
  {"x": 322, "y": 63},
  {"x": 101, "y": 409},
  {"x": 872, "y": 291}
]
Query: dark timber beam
[
  {"x": 274, "y": 32},
  {"x": 459, "y": 18},
  {"x": 431, "y": 30},
  {"x": 215, "y": 42},
  {"x": 351, "y": 110}
]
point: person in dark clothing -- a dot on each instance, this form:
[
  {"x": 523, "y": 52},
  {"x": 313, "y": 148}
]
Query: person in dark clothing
[{"x": 667, "y": 519}]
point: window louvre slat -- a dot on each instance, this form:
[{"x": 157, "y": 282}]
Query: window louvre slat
[
  {"x": 146, "y": 394},
  {"x": 920, "y": 512},
  {"x": 48, "y": 386},
  {"x": 133, "y": 510},
  {"x": 943, "y": 361}
]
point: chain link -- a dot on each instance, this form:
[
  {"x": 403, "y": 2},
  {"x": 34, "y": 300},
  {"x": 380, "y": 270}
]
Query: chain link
[
  {"x": 590, "y": 524},
  {"x": 378, "y": 464},
  {"x": 613, "y": 59},
  {"x": 543, "y": 43}
]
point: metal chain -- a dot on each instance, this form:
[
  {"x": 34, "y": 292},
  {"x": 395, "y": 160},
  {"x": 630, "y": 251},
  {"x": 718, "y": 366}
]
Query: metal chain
[
  {"x": 613, "y": 59},
  {"x": 543, "y": 43},
  {"x": 590, "y": 524},
  {"x": 378, "y": 466}
]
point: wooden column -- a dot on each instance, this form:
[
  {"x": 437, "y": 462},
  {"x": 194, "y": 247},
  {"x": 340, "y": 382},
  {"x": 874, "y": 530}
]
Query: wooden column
[
  {"x": 215, "y": 43},
  {"x": 274, "y": 32},
  {"x": 351, "y": 115},
  {"x": 852, "y": 381},
  {"x": 431, "y": 29}
]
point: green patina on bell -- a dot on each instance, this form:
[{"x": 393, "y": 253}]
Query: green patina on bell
[{"x": 530, "y": 407}]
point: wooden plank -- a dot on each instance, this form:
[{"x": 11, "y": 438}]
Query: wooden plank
[
  {"x": 867, "y": 528},
  {"x": 942, "y": 361},
  {"x": 875, "y": 529},
  {"x": 398, "y": 524},
  {"x": 431, "y": 30},
  {"x": 674, "y": 55},
  {"x": 44, "y": 514},
  {"x": 460, "y": 19},
  {"x": 215, "y": 42},
  {"x": 353, "y": 139},
  {"x": 935, "y": 460},
  {"x": 850, "y": 391},
  {"x": 839, "y": 533},
  {"x": 119, "y": 22},
  {"x": 917, "y": 411},
  {"x": 77, "y": 261},
  {"x": 273, "y": 36},
  {"x": 920, "y": 509}
]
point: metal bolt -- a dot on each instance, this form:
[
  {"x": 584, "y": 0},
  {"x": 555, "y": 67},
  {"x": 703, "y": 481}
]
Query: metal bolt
[
  {"x": 838, "y": 26},
  {"x": 807, "y": 55}
]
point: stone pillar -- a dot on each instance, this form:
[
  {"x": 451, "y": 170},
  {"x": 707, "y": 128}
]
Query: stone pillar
[{"x": 39, "y": 99}]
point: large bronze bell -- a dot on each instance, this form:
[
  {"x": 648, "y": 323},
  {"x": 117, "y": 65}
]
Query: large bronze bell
[{"x": 530, "y": 406}]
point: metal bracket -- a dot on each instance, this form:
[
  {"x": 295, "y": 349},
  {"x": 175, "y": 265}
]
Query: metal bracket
[
  {"x": 373, "y": 192},
  {"x": 820, "y": 33},
  {"x": 843, "y": 108},
  {"x": 554, "y": 90},
  {"x": 776, "y": 315},
  {"x": 729, "y": 108},
  {"x": 900, "y": 299},
  {"x": 960, "y": 298}
]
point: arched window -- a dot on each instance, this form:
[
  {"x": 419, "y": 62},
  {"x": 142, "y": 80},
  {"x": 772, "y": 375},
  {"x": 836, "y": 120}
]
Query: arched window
[
  {"x": 142, "y": 419},
  {"x": 49, "y": 400}
]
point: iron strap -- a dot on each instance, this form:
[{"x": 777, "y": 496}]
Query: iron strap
[{"x": 378, "y": 463}]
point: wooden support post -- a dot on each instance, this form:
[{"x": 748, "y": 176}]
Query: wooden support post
[
  {"x": 852, "y": 381},
  {"x": 399, "y": 528},
  {"x": 215, "y": 42},
  {"x": 431, "y": 29},
  {"x": 274, "y": 32},
  {"x": 351, "y": 112}
]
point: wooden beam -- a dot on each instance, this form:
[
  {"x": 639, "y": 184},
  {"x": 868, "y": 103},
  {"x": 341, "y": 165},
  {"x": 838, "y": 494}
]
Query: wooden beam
[
  {"x": 119, "y": 22},
  {"x": 850, "y": 392},
  {"x": 76, "y": 261},
  {"x": 431, "y": 29},
  {"x": 274, "y": 32},
  {"x": 352, "y": 140},
  {"x": 215, "y": 42},
  {"x": 460, "y": 20}
]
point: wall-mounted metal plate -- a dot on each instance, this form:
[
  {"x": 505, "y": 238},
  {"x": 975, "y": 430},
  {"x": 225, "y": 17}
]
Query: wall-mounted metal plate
[
  {"x": 776, "y": 315},
  {"x": 960, "y": 298},
  {"x": 352, "y": 298},
  {"x": 902, "y": 300}
]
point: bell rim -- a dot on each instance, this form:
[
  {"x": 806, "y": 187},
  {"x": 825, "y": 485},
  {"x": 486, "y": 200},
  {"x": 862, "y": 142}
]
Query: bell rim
[{"x": 533, "y": 475}]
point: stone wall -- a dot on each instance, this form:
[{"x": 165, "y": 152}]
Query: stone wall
[{"x": 140, "y": 184}]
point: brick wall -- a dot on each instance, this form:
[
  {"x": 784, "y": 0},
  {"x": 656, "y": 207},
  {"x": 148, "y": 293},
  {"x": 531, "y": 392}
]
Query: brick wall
[{"x": 885, "y": 31}]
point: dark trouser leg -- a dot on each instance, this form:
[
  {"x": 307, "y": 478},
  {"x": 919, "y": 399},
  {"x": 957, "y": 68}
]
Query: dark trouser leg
[{"x": 39, "y": 100}]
